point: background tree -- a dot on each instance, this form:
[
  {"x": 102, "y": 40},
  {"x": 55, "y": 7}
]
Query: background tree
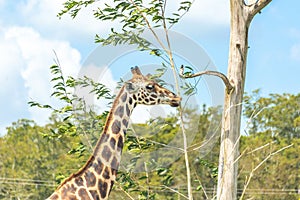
[
  {"x": 276, "y": 115},
  {"x": 272, "y": 126},
  {"x": 34, "y": 159}
]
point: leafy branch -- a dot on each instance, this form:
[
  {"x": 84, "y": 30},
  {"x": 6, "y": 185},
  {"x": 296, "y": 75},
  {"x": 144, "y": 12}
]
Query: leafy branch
[{"x": 135, "y": 16}]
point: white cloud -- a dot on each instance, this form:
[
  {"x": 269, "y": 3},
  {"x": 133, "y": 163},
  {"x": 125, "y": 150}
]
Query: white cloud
[
  {"x": 37, "y": 56},
  {"x": 295, "y": 52},
  {"x": 12, "y": 90},
  {"x": 209, "y": 12},
  {"x": 10, "y": 61},
  {"x": 42, "y": 15}
]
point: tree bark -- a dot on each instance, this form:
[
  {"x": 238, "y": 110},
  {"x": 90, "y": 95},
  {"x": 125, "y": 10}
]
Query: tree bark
[{"x": 241, "y": 16}]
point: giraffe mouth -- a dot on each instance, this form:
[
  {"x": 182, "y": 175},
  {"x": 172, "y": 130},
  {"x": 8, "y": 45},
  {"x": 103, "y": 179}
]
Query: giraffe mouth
[{"x": 175, "y": 102}]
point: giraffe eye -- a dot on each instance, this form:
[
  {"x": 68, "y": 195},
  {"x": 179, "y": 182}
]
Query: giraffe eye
[{"x": 149, "y": 87}]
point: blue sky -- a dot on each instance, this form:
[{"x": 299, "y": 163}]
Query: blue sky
[{"x": 30, "y": 31}]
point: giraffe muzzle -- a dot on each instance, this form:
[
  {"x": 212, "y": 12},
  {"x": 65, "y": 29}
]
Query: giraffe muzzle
[{"x": 175, "y": 102}]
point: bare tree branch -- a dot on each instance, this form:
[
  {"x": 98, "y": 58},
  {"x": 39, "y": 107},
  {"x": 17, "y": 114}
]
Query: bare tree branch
[
  {"x": 224, "y": 78},
  {"x": 176, "y": 192},
  {"x": 260, "y": 164},
  {"x": 257, "y": 6}
]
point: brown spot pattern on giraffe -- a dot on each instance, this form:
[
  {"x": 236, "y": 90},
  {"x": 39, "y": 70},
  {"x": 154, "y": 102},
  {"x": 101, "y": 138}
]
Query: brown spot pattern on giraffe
[
  {"x": 134, "y": 97},
  {"x": 111, "y": 185},
  {"x": 125, "y": 122},
  {"x": 106, "y": 173},
  {"x": 104, "y": 138},
  {"x": 112, "y": 143},
  {"x": 130, "y": 101},
  {"x": 82, "y": 193},
  {"x": 94, "y": 194},
  {"x": 120, "y": 144},
  {"x": 116, "y": 127},
  {"x": 154, "y": 96},
  {"x": 90, "y": 179},
  {"x": 102, "y": 186},
  {"x": 68, "y": 191},
  {"x": 98, "y": 166},
  {"x": 127, "y": 110},
  {"x": 114, "y": 163},
  {"x": 124, "y": 97},
  {"x": 106, "y": 153},
  {"x": 54, "y": 197},
  {"x": 79, "y": 181},
  {"x": 119, "y": 111}
]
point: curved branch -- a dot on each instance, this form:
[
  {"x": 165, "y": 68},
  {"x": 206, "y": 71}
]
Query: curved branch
[
  {"x": 224, "y": 78},
  {"x": 256, "y": 7}
]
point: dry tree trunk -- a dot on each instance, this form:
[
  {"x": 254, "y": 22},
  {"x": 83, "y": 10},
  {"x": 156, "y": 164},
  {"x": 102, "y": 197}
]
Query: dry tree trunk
[{"x": 241, "y": 16}]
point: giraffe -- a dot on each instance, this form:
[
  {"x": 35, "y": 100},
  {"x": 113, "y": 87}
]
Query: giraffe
[{"x": 96, "y": 178}]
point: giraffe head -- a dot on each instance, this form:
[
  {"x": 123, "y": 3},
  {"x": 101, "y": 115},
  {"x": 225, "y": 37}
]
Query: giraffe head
[{"x": 148, "y": 92}]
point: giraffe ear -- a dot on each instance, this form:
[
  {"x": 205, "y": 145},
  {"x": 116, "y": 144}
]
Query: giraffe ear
[
  {"x": 136, "y": 71},
  {"x": 130, "y": 87}
]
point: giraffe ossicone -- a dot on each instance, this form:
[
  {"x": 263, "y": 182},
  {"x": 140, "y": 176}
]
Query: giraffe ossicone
[{"x": 96, "y": 178}]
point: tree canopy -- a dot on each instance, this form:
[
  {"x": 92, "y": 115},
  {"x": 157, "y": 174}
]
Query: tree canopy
[{"x": 35, "y": 159}]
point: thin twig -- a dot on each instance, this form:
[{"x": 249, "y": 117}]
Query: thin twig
[
  {"x": 147, "y": 180},
  {"x": 165, "y": 145},
  {"x": 186, "y": 158},
  {"x": 130, "y": 197},
  {"x": 239, "y": 157},
  {"x": 260, "y": 164},
  {"x": 148, "y": 24},
  {"x": 175, "y": 191},
  {"x": 202, "y": 188},
  {"x": 169, "y": 52},
  {"x": 261, "y": 147},
  {"x": 224, "y": 78},
  {"x": 206, "y": 142},
  {"x": 185, "y": 147},
  {"x": 181, "y": 15}
]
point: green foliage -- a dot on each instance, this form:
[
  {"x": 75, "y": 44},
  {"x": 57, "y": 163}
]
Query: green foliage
[
  {"x": 164, "y": 172},
  {"x": 73, "y": 118},
  {"x": 27, "y": 161},
  {"x": 133, "y": 18},
  {"x": 73, "y": 7},
  {"x": 32, "y": 163},
  {"x": 273, "y": 125},
  {"x": 276, "y": 115},
  {"x": 64, "y": 91},
  {"x": 277, "y": 178}
]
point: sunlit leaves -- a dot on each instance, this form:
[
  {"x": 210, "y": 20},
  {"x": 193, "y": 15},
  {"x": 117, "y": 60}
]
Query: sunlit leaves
[
  {"x": 73, "y": 7},
  {"x": 127, "y": 37},
  {"x": 133, "y": 16},
  {"x": 276, "y": 114}
]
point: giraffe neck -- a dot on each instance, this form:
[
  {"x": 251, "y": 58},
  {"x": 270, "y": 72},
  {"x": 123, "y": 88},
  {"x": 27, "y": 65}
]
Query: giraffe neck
[
  {"x": 108, "y": 150},
  {"x": 109, "y": 147},
  {"x": 96, "y": 178}
]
